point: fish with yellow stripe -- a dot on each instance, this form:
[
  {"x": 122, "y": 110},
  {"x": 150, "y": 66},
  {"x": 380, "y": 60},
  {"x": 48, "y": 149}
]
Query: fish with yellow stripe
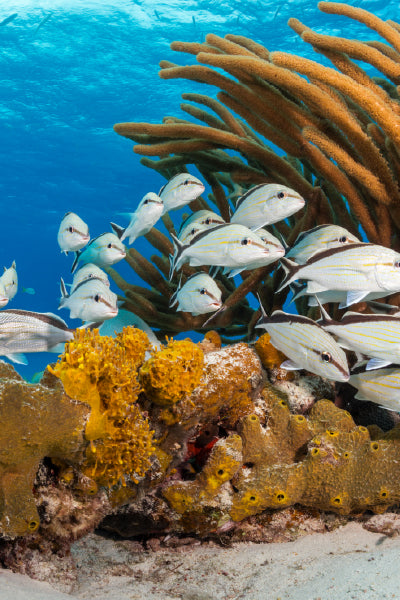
[
  {"x": 180, "y": 190},
  {"x": 319, "y": 238},
  {"x": 306, "y": 344},
  {"x": 376, "y": 336},
  {"x": 265, "y": 204},
  {"x": 357, "y": 269},
  {"x": 226, "y": 245},
  {"x": 381, "y": 387},
  {"x": 198, "y": 295}
]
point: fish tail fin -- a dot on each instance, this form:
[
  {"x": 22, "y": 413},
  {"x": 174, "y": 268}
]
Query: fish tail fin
[
  {"x": 325, "y": 318},
  {"x": 290, "y": 268},
  {"x": 64, "y": 293},
  {"x": 173, "y": 300},
  {"x": 263, "y": 313},
  {"x": 117, "y": 229},
  {"x": 76, "y": 260},
  {"x": 283, "y": 241},
  {"x": 173, "y": 258}
]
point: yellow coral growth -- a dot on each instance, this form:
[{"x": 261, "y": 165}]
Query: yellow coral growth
[
  {"x": 172, "y": 373},
  {"x": 102, "y": 371},
  {"x": 269, "y": 356}
]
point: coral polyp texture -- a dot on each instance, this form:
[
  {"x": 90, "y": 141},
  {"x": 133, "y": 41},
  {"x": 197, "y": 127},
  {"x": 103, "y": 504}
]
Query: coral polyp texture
[{"x": 339, "y": 145}]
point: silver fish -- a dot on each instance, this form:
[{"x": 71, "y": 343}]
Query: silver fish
[
  {"x": 319, "y": 238},
  {"x": 265, "y": 204},
  {"x": 198, "y": 221},
  {"x": 199, "y": 295},
  {"x": 104, "y": 250},
  {"x": 381, "y": 387},
  {"x": 9, "y": 280},
  {"x": 227, "y": 245},
  {"x": 73, "y": 233},
  {"x": 142, "y": 220},
  {"x": 23, "y": 331},
  {"x": 276, "y": 251},
  {"x": 356, "y": 268},
  {"x": 306, "y": 345},
  {"x": 89, "y": 271},
  {"x": 377, "y": 336},
  {"x": 180, "y": 190},
  {"x": 90, "y": 301}
]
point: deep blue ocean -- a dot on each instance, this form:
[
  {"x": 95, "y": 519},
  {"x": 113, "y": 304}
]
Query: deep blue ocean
[{"x": 70, "y": 69}]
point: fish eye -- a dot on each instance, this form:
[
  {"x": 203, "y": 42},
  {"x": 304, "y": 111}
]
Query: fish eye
[
  {"x": 207, "y": 221},
  {"x": 203, "y": 291},
  {"x": 186, "y": 182},
  {"x": 326, "y": 357},
  {"x": 343, "y": 239},
  {"x": 281, "y": 195},
  {"x": 397, "y": 264},
  {"x": 71, "y": 229},
  {"x": 97, "y": 298},
  {"x": 193, "y": 231},
  {"x": 245, "y": 241},
  {"x": 109, "y": 245},
  {"x": 146, "y": 201}
]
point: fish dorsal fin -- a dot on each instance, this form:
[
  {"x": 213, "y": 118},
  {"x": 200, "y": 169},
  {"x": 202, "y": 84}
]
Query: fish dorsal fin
[
  {"x": 14, "y": 265},
  {"x": 162, "y": 189},
  {"x": 117, "y": 229},
  {"x": 303, "y": 234},
  {"x": 5, "y": 269},
  {"x": 325, "y": 318}
]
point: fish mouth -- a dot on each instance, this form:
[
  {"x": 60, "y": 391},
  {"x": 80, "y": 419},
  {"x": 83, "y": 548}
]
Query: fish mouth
[{"x": 4, "y": 300}]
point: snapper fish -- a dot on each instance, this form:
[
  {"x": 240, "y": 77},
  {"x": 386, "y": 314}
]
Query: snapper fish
[
  {"x": 319, "y": 238},
  {"x": 381, "y": 387},
  {"x": 142, "y": 220},
  {"x": 276, "y": 251},
  {"x": 357, "y": 269},
  {"x": 9, "y": 280},
  {"x": 73, "y": 233},
  {"x": 306, "y": 345},
  {"x": 23, "y": 331},
  {"x": 198, "y": 221},
  {"x": 265, "y": 204},
  {"x": 89, "y": 271},
  {"x": 199, "y": 295},
  {"x": 377, "y": 336},
  {"x": 180, "y": 190},
  {"x": 90, "y": 301},
  {"x": 104, "y": 250},
  {"x": 227, "y": 245}
]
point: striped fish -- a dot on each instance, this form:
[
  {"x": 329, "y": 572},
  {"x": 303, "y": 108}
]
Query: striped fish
[
  {"x": 377, "y": 336},
  {"x": 198, "y": 221},
  {"x": 199, "y": 295},
  {"x": 227, "y": 245},
  {"x": 104, "y": 250},
  {"x": 381, "y": 387},
  {"x": 357, "y": 269},
  {"x": 306, "y": 345},
  {"x": 265, "y": 204},
  {"x": 276, "y": 251},
  {"x": 180, "y": 190},
  {"x": 142, "y": 220},
  {"x": 91, "y": 300},
  {"x": 319, "y": 238},
  {"x": 9, "y": 280}
]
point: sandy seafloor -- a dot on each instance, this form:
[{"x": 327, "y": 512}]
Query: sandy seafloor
[{"x": 348, "y": 563}]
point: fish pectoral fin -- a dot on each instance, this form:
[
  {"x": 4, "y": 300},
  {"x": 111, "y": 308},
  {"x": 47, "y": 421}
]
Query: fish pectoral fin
[
  {"x": 377, "y": 363},
  {"x": 17, "y": 358},
  {"x": 290, "y": 365},
  {"x": 353, "y": 297},
  {"x": 59, "y": 348}
]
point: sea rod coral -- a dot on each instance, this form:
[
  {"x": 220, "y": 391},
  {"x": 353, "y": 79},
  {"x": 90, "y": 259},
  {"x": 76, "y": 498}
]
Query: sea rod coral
[{"x": 340, "y": 142}]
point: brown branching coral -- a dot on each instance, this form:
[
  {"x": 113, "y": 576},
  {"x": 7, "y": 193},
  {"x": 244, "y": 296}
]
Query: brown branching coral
[{"x": 338, "y": 128}]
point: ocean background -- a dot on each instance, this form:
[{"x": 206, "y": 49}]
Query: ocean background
[{"x": 70, "y": 69}]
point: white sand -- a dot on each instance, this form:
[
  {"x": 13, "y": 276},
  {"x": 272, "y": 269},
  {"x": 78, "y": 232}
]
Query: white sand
[{"x": 349, "y": 563}]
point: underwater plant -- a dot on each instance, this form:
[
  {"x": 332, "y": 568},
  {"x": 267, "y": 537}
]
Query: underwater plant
[{"x": 338, "y": 131}]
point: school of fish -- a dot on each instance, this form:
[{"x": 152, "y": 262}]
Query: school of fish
[{"x": 326, "y": 264}]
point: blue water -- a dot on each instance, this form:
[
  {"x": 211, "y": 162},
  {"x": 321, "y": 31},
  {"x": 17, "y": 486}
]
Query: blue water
[{"x": 63, "y": 86}]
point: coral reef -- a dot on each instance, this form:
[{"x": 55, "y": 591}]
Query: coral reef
[{"x": 339, "y": 138}]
